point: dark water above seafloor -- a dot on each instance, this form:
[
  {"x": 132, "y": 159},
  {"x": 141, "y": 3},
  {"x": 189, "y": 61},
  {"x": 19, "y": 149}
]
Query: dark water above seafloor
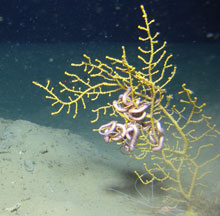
[{"x": 39, "y": 40}]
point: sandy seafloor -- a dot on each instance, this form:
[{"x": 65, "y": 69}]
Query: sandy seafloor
[{"x": 56, "y": 166}]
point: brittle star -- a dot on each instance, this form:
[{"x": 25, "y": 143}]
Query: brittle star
[{"x": 136, "y": 112}]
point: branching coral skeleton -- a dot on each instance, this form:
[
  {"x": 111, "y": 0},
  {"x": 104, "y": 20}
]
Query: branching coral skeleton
[{"x": 166, "y": 136}]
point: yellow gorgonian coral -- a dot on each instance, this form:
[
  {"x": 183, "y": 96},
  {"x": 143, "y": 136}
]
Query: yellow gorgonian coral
[{"x": 152, "y": 127}]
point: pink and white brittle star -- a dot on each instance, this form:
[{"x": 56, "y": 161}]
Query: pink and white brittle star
[{"x": 136, "y": 113}]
